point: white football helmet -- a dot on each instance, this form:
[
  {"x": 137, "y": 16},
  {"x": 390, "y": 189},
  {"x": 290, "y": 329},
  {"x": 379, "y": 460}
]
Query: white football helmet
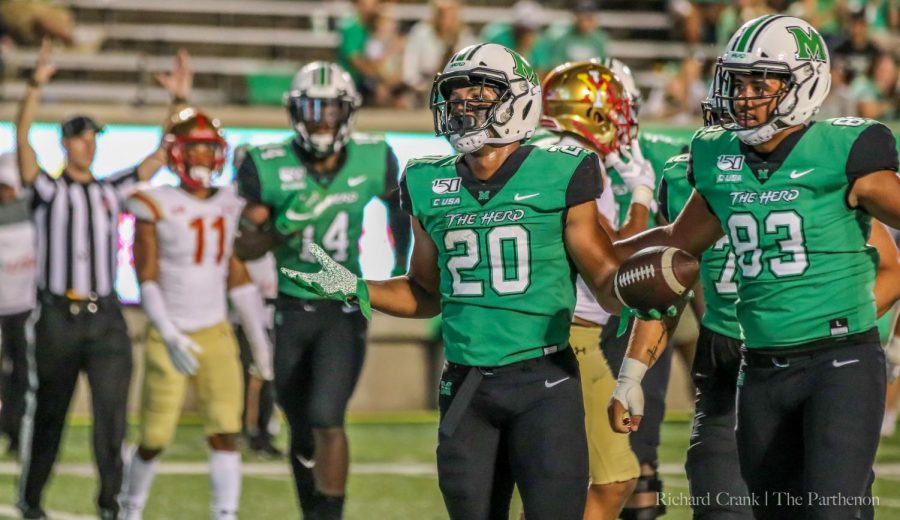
[
  {"x": 322, "y": 95},
  {"x": 471, "y": 123},
  {"x": 778, "y": 46}
]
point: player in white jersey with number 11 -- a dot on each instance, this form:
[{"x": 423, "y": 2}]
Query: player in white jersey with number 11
[{"x": 184, "y": 263}]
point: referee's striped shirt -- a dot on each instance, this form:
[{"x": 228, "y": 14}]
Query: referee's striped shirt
[{"x": 77, "y": 231}]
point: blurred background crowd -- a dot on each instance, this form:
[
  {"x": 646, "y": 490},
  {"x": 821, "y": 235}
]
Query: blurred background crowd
[{"x": 248, "y": 49}]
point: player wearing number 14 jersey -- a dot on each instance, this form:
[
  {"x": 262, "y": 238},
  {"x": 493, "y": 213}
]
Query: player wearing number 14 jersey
[
  {"x": 312, "y": 189},
  {"x": 796, "y": 199},
  {"x": 184, "y": 263}
]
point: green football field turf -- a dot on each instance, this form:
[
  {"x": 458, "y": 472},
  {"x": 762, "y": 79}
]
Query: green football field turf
[{"x": 392, "y": 476}]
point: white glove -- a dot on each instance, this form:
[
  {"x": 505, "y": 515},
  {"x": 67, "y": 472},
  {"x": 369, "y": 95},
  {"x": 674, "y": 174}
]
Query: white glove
[
  {"x": 248, "y": 302},
  {"x": 181, "y": 348},
  {"x": 892, "y": 356},
  {"x": 637, "y": 173},
  {"x": 181, "y": 352},
  {"x": 628, "y": 388}
]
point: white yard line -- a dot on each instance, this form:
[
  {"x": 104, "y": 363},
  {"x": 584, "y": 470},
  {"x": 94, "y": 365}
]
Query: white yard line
[{"x": 7, "y": 511}]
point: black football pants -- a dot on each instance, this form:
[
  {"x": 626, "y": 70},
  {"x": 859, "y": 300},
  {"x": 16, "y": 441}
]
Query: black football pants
[
  {"x": 712, "y": 464},
  {"x": 808, "y": 427},
  {"x": 13, "y": 374},
  {"x": 320, "y": 347},
  {"x": 71, "y": 338},
  {"x": 523, "y": 425}
]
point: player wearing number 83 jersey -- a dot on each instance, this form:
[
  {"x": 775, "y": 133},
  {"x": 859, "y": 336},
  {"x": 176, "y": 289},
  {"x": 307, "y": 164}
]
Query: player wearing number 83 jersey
[{"x": 791, "y": 231}]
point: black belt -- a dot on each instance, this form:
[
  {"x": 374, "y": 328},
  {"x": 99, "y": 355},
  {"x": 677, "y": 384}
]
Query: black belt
[
  {"x": 782, "y": 356},
  {"x": 79, "y": 304},
  {"x": 472, "y": 379}
]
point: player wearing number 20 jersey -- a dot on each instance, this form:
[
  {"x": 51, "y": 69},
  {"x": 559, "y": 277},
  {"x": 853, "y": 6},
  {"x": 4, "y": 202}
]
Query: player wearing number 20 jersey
[{"x": 501, "y": 250}]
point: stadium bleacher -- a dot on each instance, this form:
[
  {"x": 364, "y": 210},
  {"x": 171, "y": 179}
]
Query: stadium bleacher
[{"x": 232, "y": 41}]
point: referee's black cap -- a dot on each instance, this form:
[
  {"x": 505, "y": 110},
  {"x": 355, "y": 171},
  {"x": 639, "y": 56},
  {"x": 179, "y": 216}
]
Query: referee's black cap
[{"x": 74, "y": 126}]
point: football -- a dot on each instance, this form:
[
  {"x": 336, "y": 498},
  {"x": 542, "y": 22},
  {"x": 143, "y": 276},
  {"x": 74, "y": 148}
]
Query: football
[{"x": 656, "y": 278}]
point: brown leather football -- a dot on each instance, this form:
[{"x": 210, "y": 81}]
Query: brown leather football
[{"x": 656, "y": 278}]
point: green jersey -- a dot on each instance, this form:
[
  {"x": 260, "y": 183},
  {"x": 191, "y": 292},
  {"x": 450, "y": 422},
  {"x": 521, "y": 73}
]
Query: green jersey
[
  {"x": 805, "y": 270},
  {"x": 311, "y": 209},
  {"x": 507, "y": 283},
  {"x": 717, "y": 264}
]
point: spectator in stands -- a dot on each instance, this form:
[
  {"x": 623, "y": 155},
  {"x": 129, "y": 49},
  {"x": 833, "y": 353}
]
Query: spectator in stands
[
  {"x": 18, "y": 292},
  {"x": 876, "y": 92},
  {"x": 736, "y": 15},
  {"x": 27, "y": 21},
  {"x": 522, "y": 33},
  {"x": 824, "y": 15},
  {"x": 857, "y": 51},
  {"x": 355, "y": 31},
  {"x": 384, "y": 50},
  {"x": 582, "y": 40},
  {"x": 432, "y": 42},
  {"x": 698, "y": 20},
  {"x": 839, "y": 102},
  {"x": 679, "y": 100}
]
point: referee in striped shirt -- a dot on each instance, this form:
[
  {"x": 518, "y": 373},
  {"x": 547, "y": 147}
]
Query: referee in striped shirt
[{"x": 78, "y": 325}]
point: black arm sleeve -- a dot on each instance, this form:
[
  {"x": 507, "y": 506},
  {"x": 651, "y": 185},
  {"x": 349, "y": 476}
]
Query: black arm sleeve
[
  {"x": 248, "y": 182},
  {"x": 398, "y": 219},
  {"x": 662, "y": 198},
  {"x": 875, "y": 150},
  {"x": 391, "y": 175},
  {"x": 586, "y": 183},
  {"x": 690, "y": 172},
  {"x": 405, "y": 201}
]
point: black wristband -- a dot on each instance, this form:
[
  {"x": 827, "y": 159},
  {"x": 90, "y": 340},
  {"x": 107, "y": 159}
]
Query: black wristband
[
  {"x": 33, "y": 82},
  {"x": 178, "y": 100}
]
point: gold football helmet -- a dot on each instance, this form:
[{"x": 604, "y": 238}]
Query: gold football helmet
[{"x": 587, "y": 99}]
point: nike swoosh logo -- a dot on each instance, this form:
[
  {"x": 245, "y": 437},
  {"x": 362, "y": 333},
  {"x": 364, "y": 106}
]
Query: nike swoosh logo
[
  {"x": 839, "y": 364},
  {"x": 548, "y": 384},
  {"x": 796, "y": 175},
  {"x": 306, "y": 463},
  {"x": 519, "y": 198},
  {"x": 355, "y": 181},
  {"x": 317, "y": 210}
]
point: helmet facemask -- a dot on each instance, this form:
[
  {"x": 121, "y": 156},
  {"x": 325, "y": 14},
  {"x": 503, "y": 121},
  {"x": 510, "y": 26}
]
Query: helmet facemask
[
  {"x": 467, "y": 121},
  {"x": 195, "y": 148},
  {"x": 322, "y": 124}
]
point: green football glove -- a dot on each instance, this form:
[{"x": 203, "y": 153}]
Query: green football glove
[
  {"x": 653, "y": 314},
  {"x": 333, "y": 282}
]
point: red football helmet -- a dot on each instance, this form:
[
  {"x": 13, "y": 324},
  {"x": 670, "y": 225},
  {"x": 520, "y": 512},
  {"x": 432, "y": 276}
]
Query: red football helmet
[{"x": 195, "y": 147}]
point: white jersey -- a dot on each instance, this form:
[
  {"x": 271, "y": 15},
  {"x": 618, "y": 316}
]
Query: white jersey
[
  {"x": 195, "y": 238},
  {"x": 18, "y": 268},
  {"x": 586, "y": 306}
]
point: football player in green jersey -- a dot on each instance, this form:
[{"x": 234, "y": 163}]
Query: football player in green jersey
[
  {"x": 501, "y": 229},
  {"x": 796, "y": 199},
  {"x": 312, "y": 189}
]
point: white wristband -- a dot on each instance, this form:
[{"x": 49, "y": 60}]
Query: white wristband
[
  {"x": 642, "y": 195},
  {"x": 632, "y": 370},
  {"x": 154, "y": 305}
]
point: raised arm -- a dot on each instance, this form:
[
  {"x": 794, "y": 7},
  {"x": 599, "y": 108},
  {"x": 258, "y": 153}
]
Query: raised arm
[
  {"x": 593, "y": 253},
  {"x": 43, "y": 71},
  {"x": 178, "y": 84}
]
